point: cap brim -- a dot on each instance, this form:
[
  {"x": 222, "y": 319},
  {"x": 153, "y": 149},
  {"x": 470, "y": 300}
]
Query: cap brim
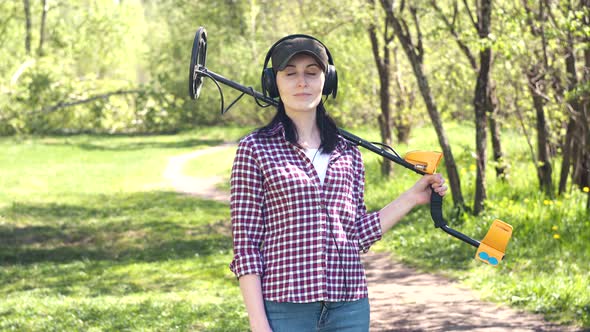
[{"x": 285, "y": 62}]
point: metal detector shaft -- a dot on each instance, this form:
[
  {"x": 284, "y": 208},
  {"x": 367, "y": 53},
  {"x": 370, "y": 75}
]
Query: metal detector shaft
[
  {"x": 460, "y": 236},
  {"x": 380, "y": 151},
  {"x": 237, "y": 86},
  {"x": 436, "y": 199},
  {"x": 347, "y": 135}
]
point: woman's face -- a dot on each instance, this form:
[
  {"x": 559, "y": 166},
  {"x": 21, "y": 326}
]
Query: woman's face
[{"x": 301, "y": 83}]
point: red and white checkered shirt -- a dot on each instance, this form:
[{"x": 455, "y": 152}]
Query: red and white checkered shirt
[{"x": 303, "y": 238}]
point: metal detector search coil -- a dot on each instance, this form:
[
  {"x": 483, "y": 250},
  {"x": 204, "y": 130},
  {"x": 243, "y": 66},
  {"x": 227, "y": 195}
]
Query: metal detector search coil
[{"x": 490, "y": 250}]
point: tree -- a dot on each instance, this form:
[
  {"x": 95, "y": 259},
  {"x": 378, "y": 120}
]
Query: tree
[
  {"x": 585, "y": 4},
  {"x": 42, "y": 30},
  {"x": 27, "y": 10},
  {"x": 536, "y": 73},
  {"x": 415, "y": 53},
  {"x": 576, "y": 149},
  {"x": 383, "y": 61},
  {"x": 481, "y": 101},
  {"x": 452, "y": 26}
]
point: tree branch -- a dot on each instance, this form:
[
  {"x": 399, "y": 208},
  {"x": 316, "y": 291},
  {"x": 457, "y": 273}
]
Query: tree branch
[
  {"x": 60, "y": 105},
  {"x": 375, "y": 46},
  {"x": 419, "y": 47},
  {"x": 451, "y": 27},
  {"x": 475, "y": 24}
]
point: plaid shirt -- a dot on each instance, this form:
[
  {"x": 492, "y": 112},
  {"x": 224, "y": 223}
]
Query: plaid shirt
[{"x": 303, "y": 238}]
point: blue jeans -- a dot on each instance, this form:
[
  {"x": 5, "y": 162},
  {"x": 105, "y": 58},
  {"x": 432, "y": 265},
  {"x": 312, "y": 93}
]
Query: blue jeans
[{"x": 347, "y": 316}]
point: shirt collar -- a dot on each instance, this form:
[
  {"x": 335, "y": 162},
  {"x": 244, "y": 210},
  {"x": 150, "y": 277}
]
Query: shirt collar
[
  {"x": 279, "y": 130},
  {"x": 275, "y": 130}
]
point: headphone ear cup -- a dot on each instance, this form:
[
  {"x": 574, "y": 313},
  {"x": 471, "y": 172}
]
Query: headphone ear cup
[
  {"x": 331, "y": 83},
  {"x": 269, "y": 83}
]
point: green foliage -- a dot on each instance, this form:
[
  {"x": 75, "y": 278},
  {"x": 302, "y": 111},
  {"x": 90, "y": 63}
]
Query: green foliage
[{"x": 93, "y": 48}]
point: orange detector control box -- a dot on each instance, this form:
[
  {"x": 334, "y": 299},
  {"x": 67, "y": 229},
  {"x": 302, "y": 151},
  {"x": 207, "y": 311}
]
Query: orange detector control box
[{"x": 425, "y": 161}]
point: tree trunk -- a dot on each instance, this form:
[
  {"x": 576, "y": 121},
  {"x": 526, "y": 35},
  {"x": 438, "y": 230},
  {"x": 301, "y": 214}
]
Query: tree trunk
[
  {"x": 42, "y": 28},
  {"x": 543, "y": 165},
  {"x": 383, "y": 67},
  {"x": 27, "y": 9},
  {"x": 415, "y": 56},
  {"x": 537, "y": 83},
  {"x": 566, "y": 155},
  {"x": 493, "y": 100},
  {"x": 579, "y": 174},
  {"x": 495, "y": 132},
  {"x": 586, "y": 99},
  {"x": 481, "y": 105},
  {"x": 404, "y": 101}
]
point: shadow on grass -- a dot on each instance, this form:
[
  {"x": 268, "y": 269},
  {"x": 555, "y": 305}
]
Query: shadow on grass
[
  {"x": 128, "y": 145},
  {"x": 145, "y": 226},
  {"x": 423, "y": 246}
]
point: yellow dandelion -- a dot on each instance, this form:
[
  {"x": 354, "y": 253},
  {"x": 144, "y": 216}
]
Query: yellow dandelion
[
  {"x": 546, "y": 202},
  {"x": 472, "y": 168},
  {"x": 586, "y": 189},
  {"x": 554, "y": 228},
  {"x": 556, "y": 236}
]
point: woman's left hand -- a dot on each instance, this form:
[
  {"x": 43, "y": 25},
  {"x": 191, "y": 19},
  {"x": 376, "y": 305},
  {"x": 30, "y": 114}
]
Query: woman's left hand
[{"x": 423, "y": 188}]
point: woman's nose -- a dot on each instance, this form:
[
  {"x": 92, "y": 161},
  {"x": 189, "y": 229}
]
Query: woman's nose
[{"x": 301, "y": 80}]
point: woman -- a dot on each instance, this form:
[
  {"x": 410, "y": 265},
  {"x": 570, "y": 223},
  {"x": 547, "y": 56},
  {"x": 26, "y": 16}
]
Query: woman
[{"x": 299, "y": 220}]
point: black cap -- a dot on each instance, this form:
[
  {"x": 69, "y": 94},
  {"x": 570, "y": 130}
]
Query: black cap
[{"x": 285, "y": 50}]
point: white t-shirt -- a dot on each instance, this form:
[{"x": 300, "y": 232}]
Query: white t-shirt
[{"x": 320, "y": 162}]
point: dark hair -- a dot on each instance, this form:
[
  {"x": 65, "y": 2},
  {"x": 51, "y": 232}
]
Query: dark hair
[{"x": 327, "y": 126}]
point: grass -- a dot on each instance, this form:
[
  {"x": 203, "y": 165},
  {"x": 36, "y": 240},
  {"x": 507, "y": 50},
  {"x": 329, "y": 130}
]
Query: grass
[{"x": 91, "y": 238}]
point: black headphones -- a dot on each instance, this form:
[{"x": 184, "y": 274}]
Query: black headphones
[{"x": 268, "y": 78}]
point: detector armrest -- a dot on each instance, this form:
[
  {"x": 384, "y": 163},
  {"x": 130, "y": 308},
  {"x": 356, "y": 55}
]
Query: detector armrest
[{"x": 493, "y": 246}]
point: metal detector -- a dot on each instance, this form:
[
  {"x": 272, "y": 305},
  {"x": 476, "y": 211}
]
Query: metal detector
[{"x": 490, "y": 250}]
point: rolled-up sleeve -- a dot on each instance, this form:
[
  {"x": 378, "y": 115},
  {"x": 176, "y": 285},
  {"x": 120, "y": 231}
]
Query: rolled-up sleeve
[
  {"x": 246, "y": 202},
  {"x": 368, "y": 224}
]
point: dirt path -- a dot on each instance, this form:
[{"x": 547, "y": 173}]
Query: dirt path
[
  {"x": 402, "y": 299},
  {"x": 202, "y": 187}
]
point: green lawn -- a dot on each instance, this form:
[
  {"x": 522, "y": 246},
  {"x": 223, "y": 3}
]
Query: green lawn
[{"x": 92, "y": 238}]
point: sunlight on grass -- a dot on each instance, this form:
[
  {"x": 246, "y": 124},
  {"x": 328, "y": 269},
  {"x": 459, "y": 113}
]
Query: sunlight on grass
[
  {"x": 217, "y": 163},
  {"x": 91, "y": 238}
]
